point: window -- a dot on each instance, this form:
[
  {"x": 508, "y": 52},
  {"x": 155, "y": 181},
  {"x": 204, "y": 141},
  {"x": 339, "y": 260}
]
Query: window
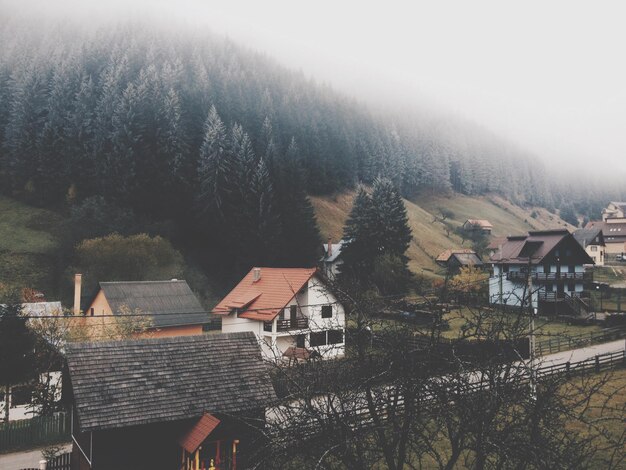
[
  {"x": 300, "y": 341},
  {"x": 594, "y": 248},
  {"x": 21, "y": 395},
  {"x": 571, "y": 287},
  {"x": 335, "y": 336},
  {"x": 327, "y": 311},
  {"x": 322, "y": 338},
  {"x": 318, "y": 338}
]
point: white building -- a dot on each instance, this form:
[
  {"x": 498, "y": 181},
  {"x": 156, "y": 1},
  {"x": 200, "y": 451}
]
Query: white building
[
  {"x": 592, "y": 240},
  {"x": 331, "y": 261},
  {"x": 20, "y": 396},
  {"x": 557, "y": 273},
  {"x": 291, "y": 310}
]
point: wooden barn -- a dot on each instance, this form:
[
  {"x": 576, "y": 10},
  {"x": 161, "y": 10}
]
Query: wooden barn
[{"x": 188, "y": 402}]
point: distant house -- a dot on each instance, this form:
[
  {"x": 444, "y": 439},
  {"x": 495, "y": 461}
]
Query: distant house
[
  {"x": 478, "y": 225},
  {"x": 21, "y": 396},
  {"x": 557, "y": 273},
  {"x": 614, "y": 232},
  {"x": 176, "y": 402},
  {"x": 292, "y": 312},
  {"x": 592, "y": 240},
  {"x": 453, "y": 260},
  {"x": 171, "y": 306},
  {"x": 494, "y": 245},
  {"x": 331, "y": 261},
  {"x": 614, "y": 210}
]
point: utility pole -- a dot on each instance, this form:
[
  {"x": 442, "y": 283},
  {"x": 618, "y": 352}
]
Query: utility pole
[{"x": 531, "y": 335}]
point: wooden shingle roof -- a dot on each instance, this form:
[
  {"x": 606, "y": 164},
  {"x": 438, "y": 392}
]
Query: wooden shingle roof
[{"x": 126, "y": 383}]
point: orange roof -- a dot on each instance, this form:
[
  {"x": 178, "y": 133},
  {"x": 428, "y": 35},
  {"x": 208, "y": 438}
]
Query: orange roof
[
  {"x": 480, "y": 222},
  {"x": 198, "y": 433},
  {"x": 445, "y": 256},
  {"x": 265, "y": 298}
]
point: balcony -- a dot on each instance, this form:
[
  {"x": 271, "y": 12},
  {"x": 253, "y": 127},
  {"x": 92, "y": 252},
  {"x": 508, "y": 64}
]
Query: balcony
[
  {"x": 288, "y": 324},
  {"x": 548, "y": 277}
]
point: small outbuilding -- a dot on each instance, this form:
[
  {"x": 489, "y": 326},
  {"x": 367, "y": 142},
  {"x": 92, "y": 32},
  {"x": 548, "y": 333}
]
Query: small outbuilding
[{"x": 180, "y": 402}]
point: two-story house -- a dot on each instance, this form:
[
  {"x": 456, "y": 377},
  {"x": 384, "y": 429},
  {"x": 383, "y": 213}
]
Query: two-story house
[
  {"x": 291, "y": 310},
  {"x": 592, "y": 240},
  {"x": 555, "y": 263},
  {"x": 614, "y": 210}
]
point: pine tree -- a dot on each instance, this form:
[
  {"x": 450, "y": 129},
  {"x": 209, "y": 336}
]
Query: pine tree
[
  {"x": 264, "y": 220},
  {"x": 214, "y": 166},
  {"x": 358, "y": 250},
  {"x": 389, "y": 227},
  {"x": 17, "y": 344},
  {"x": 301, "y": 236}
]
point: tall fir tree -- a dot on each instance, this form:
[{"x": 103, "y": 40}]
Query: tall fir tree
[
  {"x": 302, "y": 241},
  {"x": 389, "y": 226},
  {"x": 215, "y": 167}
]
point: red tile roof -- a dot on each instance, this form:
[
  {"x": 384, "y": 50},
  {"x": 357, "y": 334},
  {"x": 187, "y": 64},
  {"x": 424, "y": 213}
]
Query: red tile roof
[
  {"x": 199, "y": 432},
  {"x": 265, "y": 298}
]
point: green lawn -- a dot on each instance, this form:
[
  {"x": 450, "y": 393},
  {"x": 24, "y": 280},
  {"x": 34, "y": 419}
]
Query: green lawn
[
  {"x": 543, "y": 326},
  {"x": 28, "y": 245}
]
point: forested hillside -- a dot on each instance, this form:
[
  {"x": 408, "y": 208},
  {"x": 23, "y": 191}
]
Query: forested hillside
[
  {"x": 432, "y": 235},
  {"x": 218, "y": 147}
]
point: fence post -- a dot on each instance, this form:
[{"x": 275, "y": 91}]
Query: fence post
[
  {"x": 567, "y": 366},
  {"x": 42, "y": 465},
  {"x": 597, "y": 363}
]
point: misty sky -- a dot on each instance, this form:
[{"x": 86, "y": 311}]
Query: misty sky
[{"x": 551, "y": 76}]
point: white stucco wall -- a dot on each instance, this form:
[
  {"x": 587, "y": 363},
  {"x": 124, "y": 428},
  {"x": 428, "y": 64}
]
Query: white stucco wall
[
  {"x": 23, "y": 411},
  {"x": 310, "y": 301}
]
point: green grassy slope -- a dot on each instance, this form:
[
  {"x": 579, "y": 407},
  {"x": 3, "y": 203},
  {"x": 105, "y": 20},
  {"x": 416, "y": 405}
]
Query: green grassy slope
[
  {"x": 430, "y": 235},
  {"x": 28, "y": 246}
]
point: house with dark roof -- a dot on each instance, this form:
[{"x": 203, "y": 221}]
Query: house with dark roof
[
  {"x": 478, "y": 225},
  {"x": 171, "y": 307},
  {"x": 592, "y": 240},
  {"x": 614, "y": 233},
  {"x": 554, "y": 263},
  {"x": 292, "y": 311},
  {"x": 454, "y": 260},
  {"x": 177, "y": 402},
  {"x": 330, "y": 262}
]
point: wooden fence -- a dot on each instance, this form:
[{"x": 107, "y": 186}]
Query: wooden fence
[
  {"x": 60, "y": 462},
  {"x": 37, "y": 431},
  {"x": 564, "y": 342}
]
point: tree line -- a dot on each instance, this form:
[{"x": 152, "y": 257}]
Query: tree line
[{"x": 223, "y": 141}]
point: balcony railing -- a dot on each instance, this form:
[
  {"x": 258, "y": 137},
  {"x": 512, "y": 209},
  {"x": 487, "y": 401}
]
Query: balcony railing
[
  {"x": 554, "y": 296},
  {"x": 548, "y": 277},
  {"x": 288, "y": 324}
]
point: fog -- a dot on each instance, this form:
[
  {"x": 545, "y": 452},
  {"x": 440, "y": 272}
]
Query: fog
[{"x": 547, "y": 75}]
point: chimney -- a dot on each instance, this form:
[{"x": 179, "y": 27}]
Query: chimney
[
  {"x": 330, "y": 247},
  {"x": 77, "y": 292},
  {"x": 256, "y": 274}
]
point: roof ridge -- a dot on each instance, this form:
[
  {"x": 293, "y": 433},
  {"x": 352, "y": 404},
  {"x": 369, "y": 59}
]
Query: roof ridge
[{"x": 141, "y": 282}]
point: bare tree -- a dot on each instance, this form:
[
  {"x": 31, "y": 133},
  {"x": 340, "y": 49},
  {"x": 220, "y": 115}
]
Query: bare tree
[{"x": 405, "y": 397}]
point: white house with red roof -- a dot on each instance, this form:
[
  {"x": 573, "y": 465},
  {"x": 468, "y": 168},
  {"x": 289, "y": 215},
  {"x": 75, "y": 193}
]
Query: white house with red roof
[{"x": 291, "y": 310}]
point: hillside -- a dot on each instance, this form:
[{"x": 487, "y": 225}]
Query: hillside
[
  {"x": 28, "y": 243},
  {"x": 430, "y": 235}
]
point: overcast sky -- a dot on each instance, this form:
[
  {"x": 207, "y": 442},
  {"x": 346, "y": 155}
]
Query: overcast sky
[{"x": 550, "y": 75}]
